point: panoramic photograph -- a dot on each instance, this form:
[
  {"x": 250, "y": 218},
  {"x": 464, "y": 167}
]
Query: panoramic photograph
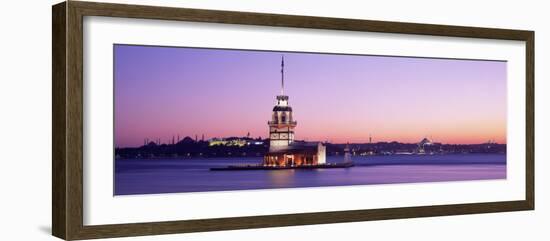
[{"x": 203, "y": 119}]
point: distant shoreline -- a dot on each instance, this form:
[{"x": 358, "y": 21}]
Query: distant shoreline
[
  {"x": 239, "y": 147},
  {"x": 250, "y": 157}
]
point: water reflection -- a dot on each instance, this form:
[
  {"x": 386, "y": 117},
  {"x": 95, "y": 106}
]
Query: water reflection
[
  {"x": 281, "y": 178},
  {"x": 193, "y": 175}
]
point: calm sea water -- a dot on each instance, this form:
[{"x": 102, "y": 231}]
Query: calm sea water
[{"x": 148, "y": 176}]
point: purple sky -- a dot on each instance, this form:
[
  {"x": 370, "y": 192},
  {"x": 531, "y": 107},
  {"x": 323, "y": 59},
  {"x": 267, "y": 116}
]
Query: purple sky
[{"x": 161, "y": 92}]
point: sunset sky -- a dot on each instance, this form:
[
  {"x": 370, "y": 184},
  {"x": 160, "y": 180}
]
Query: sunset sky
[{"x": 161, "y": 92}]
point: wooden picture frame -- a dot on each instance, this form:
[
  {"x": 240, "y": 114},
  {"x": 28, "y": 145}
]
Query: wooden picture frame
[{"x": 67, "y": 150}]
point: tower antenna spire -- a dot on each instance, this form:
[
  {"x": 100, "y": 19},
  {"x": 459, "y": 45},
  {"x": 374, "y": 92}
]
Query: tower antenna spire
[{"x": 282, "y": 75}]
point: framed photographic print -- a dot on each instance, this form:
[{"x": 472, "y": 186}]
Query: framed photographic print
[{"x": 171, "y": 120}]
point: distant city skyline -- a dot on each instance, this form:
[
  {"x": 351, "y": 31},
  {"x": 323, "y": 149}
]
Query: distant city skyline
[{"x": 163, "y": 92}]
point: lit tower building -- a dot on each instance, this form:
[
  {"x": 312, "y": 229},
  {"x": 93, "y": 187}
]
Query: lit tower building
[
  {"x": 281, "y": 126},
  {"x": 283, "y": 149}
]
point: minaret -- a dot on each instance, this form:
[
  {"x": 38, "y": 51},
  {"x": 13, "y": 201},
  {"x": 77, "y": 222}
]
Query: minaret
[{"x": 281, "y": 126}]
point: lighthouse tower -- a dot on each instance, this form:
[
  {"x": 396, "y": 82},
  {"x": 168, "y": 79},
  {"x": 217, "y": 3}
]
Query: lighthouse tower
[{"x": 281, "y": 126}]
